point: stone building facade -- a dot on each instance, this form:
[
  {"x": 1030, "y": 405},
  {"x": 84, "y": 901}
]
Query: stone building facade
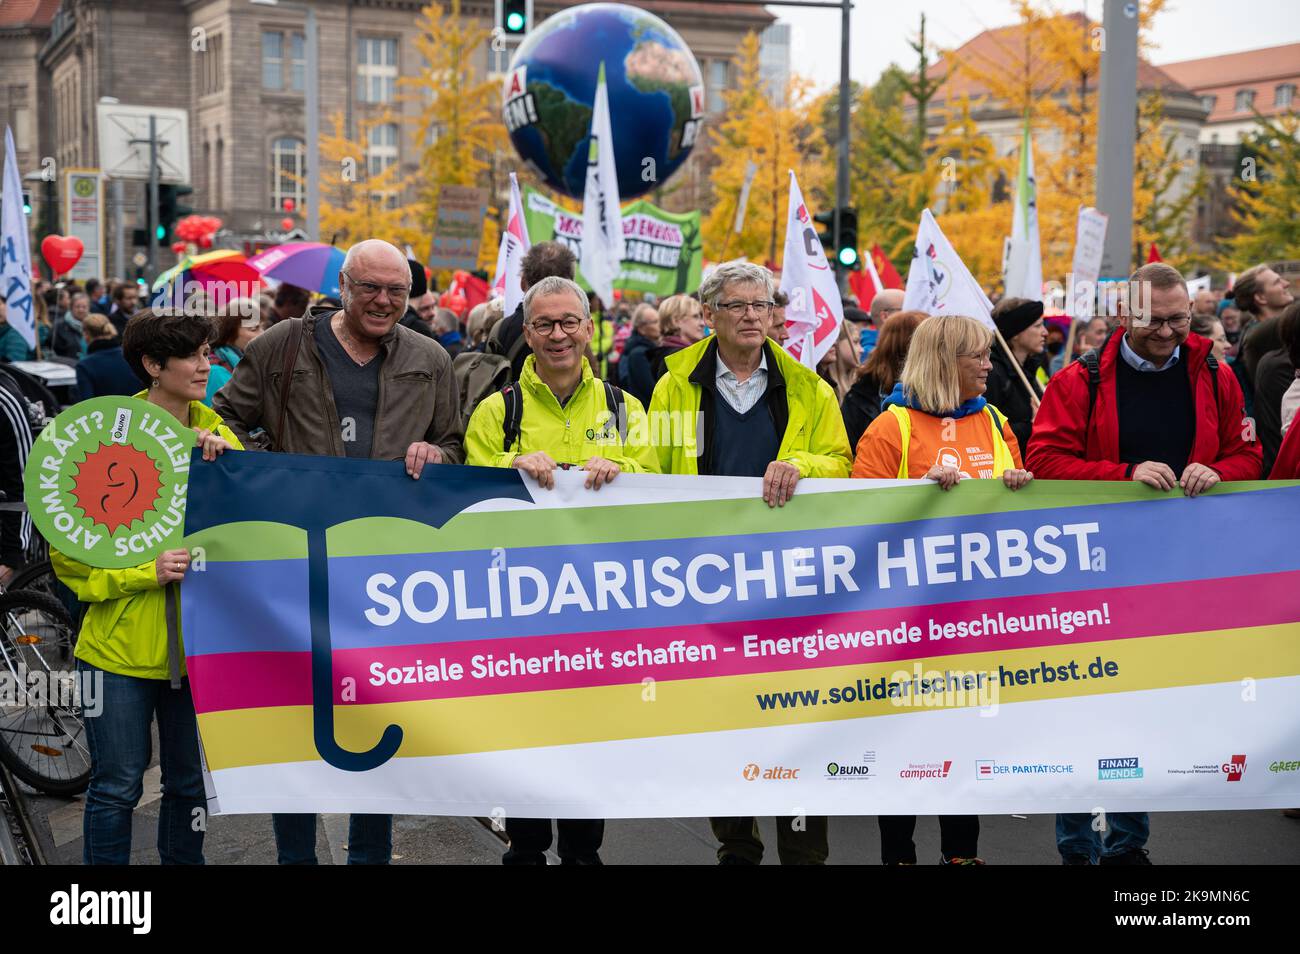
[{"x": 238, "y": 68}]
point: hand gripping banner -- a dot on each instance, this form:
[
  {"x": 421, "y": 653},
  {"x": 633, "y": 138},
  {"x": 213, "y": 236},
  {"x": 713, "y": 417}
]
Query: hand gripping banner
[{"x": 469, "y": 644}]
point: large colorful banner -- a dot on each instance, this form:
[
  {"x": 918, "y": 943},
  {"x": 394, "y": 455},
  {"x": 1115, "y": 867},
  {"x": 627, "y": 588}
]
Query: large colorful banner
[
  {"x": 662, "y": 251},
  {"x": 469, "y": 644}
]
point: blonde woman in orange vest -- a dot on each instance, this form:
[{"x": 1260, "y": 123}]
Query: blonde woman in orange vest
[{"x": 936, "y": 424}]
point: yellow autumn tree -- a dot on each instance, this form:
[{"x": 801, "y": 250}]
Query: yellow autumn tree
[
  {"x": 1048, "y": 70},
  {"x": 776, "y": 138},
  {"x": 356, "y": 204},
  {"x": 459, "y": 127},
  {"x": 1266, "y": 196}
]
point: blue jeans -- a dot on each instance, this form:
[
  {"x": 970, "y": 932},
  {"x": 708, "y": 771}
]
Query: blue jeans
[
  {"x": 1126, "y": 831},
  {"x": 120, "y": 751},
  {"x": 370, "y": 839}
]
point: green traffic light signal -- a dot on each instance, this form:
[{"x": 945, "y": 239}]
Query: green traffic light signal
[
  {"x": 515, "y": 21},
  {"x": 848, "y": 256},
  {"x": 160, "y": 233}
]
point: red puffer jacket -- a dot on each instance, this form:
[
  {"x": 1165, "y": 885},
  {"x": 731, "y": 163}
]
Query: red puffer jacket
[{"x": 1066, "y": 445}]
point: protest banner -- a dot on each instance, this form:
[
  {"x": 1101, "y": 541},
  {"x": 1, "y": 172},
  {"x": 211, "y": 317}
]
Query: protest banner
[
  {"x": 459, "y": 227},
  {"x": 662, "y": 251},
  {"x": 469, "y": 644}
]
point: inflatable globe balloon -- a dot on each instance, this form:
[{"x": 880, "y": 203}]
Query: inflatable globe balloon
[{"x": 656, "y": 96}]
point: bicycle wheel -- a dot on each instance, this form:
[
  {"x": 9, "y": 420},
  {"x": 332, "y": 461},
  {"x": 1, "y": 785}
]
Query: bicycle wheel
[
  {"x": 42, "y": 727},
  {"x": 39, "y": 577}
]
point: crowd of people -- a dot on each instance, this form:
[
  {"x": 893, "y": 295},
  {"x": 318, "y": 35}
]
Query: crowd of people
[{"x": 1179, "y": 395}]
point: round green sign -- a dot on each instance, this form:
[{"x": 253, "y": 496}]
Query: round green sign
[{"x": 105, "y": 481}]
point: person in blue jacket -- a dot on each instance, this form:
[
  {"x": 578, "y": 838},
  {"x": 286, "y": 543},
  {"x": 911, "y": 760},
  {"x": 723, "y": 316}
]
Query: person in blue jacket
[{"x": 103, "y": 371}]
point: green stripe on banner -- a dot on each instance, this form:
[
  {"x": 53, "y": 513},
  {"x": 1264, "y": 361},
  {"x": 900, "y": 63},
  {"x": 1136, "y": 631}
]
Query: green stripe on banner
[
  {"x": 380, "y": 536},
  {"x": 250, "y": 540}
]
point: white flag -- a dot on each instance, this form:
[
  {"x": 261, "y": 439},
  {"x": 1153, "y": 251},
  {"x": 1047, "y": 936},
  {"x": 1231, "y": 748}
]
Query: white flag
[
  {"x": 510, "y": 256},
  {"x": 1198, "y": 284},
  {"x": 602, "y": 222},
  {"x": 15, "y": 250},
  {"x": 815, "y": 312},
  {"x": 1022, "y": 276},
  {"x": 938, "y": 283}
]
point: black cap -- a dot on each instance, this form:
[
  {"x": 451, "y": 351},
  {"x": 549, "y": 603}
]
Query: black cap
[{"x": 419, "y": 281}]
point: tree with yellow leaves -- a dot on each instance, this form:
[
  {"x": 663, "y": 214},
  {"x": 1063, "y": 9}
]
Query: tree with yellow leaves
[
  {"x": 1161, "y": 209},
  {"x": 360, "y": 201},
  {"x": 1266, "y": 196},
  {"x": 776, "y": 138},
  {"x": 459, "y": 128}
]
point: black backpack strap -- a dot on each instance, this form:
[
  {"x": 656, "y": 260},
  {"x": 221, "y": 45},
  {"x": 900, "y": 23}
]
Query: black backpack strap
[
  {"x": 514, "y": 416},
  {"x": 1092, "y": 361},
  {"x": 1213, "y": 364},
  {"x": 617, "y": 409}
]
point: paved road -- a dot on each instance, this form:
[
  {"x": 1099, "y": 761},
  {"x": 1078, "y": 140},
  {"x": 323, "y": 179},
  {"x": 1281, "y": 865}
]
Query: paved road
[{"x": 1188, "y": 838}]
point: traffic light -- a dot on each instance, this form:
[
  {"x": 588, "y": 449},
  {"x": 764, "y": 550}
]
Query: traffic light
[
  {"x": 846, "y": 243},
  {"x": 513, "y": 16},
  {"x": 827, "y": 221},
  {"x": 170, "y": 210},
  {"x": 27, "y": 202}
]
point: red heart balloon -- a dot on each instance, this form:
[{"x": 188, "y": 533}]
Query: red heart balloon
[{"x": 61, "y": 252}]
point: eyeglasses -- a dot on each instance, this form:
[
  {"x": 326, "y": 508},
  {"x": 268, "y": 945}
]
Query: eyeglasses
[
  {"x": 370, "y": 289},
  {"x": 544, "y": 327},
  {"x": 1175, "y": 323},
  {"x": 737, "y": 309},
  {"x": 980, "y": 356}
]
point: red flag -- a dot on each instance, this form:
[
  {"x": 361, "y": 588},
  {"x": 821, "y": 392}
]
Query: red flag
[
  {"x": 1154, "y": 254},
  {"x": 863, "y": 288},
  {"x": 885, "y": 268}
]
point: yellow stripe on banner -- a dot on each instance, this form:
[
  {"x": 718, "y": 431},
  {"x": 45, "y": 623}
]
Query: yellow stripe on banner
[{"x": 242, "y": 737}]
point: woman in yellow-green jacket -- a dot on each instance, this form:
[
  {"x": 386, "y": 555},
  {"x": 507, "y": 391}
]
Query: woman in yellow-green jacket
[{"x": 123, "y": 648}]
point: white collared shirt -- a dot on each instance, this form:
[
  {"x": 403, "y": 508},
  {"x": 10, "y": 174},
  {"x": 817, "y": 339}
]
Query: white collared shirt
[
  {"x": 1139, "y": 363},
  {"x": 742, "y": 395}
]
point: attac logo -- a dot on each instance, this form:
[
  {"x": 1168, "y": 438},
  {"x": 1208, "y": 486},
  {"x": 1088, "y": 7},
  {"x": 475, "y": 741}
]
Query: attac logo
[
  {"x": 1235, "y": 769},
  {"x": 777, "y": 773},
  {"x": 925, "y": 770},
  {"x": 1126, "y": 767}
]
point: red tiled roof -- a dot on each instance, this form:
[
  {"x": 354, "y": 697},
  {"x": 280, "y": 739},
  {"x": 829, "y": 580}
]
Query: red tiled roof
[
  {"x": 1006, "y": 46},
  {"x": 1222, "y": 77},
  {"x": 38, "y": 13}
]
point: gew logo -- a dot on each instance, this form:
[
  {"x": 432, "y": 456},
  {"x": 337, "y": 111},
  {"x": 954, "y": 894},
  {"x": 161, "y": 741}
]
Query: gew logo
[
  {"x": 1235, "y": 769},
  {"x": 72, "y": 907}
]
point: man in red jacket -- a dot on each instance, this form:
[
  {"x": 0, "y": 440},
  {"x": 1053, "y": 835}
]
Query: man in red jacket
[
  {"x": 1104, "y": 428},
  {"x": 1151, "y": 406}
]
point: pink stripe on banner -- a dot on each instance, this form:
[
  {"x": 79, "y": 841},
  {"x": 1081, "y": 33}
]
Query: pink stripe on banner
[{"x": 248, "y": 680}]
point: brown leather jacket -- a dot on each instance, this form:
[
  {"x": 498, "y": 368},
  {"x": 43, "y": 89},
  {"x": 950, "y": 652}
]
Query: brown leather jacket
[{"x": 418, "y": 398}]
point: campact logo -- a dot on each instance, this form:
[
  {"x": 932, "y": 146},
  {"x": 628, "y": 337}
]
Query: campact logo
[
  {"x": 924, "y": 770},
  {"x": 777, "y": 773},
  {"x": 1126, "y": 767},
  {"x": 1234, "y": 769},
  {"x": 1284, "y": 767}
]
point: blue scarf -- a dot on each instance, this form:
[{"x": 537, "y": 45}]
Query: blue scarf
[
  {"x": 450, "y": 338},
  {"x": 896, "y": 396}
]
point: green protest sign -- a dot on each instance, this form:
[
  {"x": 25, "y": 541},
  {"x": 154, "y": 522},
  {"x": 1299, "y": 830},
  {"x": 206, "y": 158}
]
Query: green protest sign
[
  {"x": 662, "y": 251},
  {"x": 105, "y": 482}
]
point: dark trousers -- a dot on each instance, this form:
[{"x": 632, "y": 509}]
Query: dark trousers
[
  {"x": 120, "y": 749},
  {"x": 803, "y": 845},
  {"x": 530, "y": 838},
  {"x": 370, "y": 839},
  {"x": 958, "y": 838}
]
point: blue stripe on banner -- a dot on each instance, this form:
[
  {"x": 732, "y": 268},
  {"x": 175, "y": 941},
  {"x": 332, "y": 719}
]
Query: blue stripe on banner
[
  {"x": 1190, "y": 550},
  {"x": 247, "y": 607}
]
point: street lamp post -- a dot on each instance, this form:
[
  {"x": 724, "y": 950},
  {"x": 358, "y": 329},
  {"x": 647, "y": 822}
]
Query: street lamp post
[{"x": 312, "y": 97}]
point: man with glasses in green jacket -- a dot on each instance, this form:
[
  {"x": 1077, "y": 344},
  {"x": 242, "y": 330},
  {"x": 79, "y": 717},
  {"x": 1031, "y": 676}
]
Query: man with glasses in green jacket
[{"x": 737, "y": 405}]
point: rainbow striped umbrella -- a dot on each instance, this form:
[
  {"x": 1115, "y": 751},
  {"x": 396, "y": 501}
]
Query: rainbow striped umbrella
[{"x": 310, "y": 265}]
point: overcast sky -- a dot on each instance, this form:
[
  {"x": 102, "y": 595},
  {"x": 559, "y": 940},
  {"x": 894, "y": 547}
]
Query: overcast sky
[{"x": 1187, "y": 29}]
